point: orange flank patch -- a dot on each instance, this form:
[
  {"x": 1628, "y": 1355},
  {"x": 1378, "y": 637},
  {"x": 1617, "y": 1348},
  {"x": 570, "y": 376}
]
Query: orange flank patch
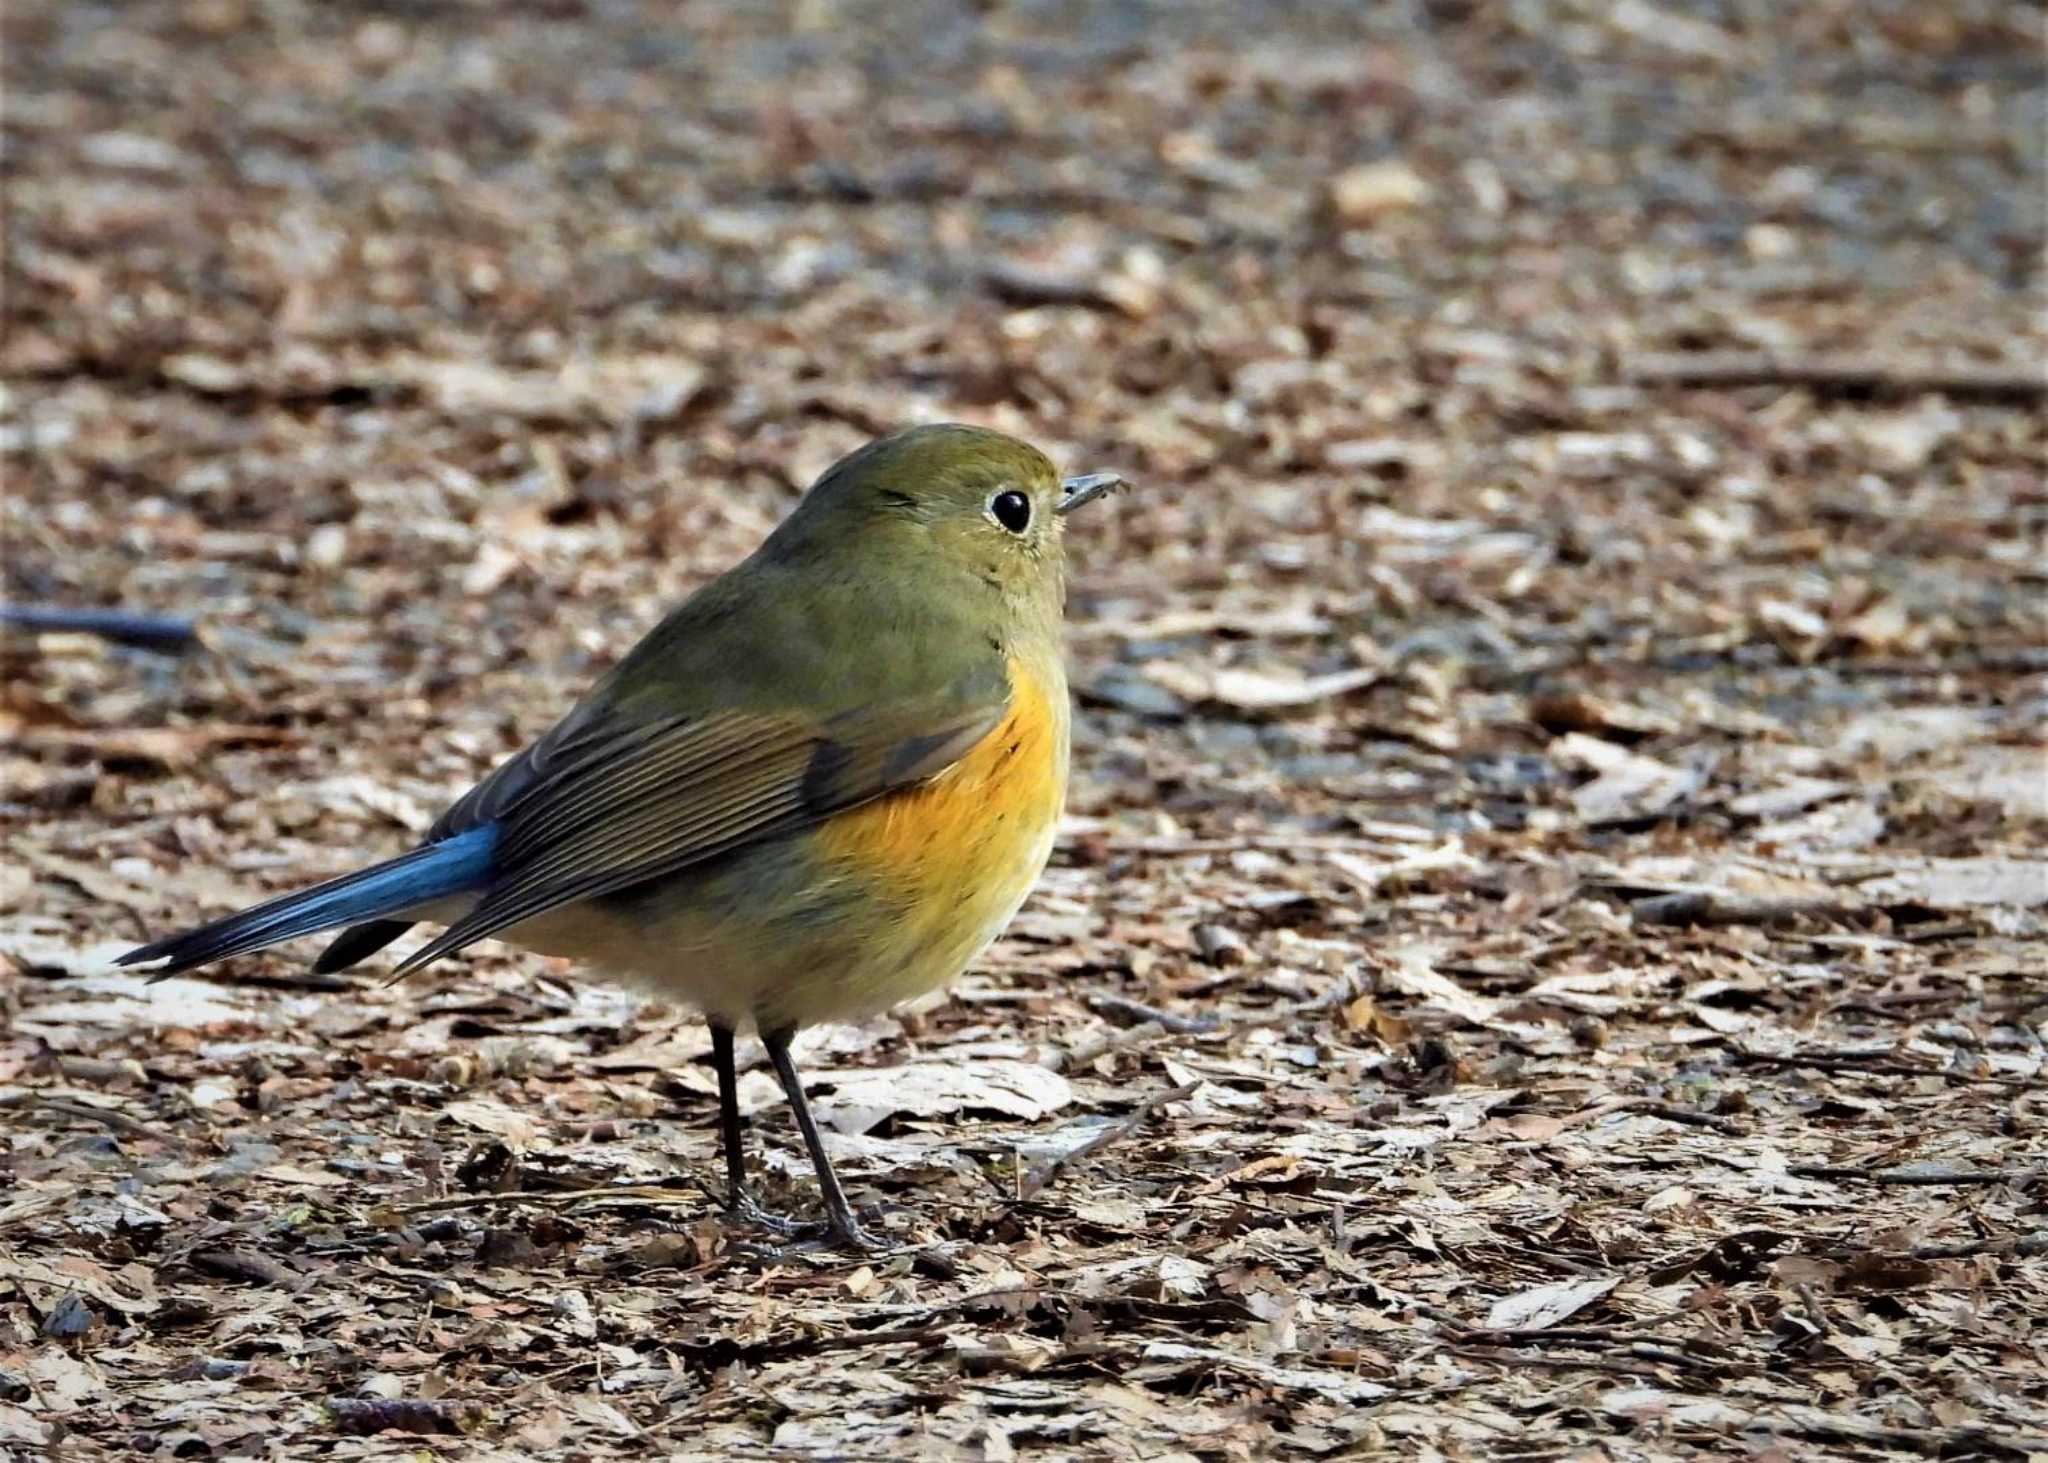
[{"x": 979, "y": 825}]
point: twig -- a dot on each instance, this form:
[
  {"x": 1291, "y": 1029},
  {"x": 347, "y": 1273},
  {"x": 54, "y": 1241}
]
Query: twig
[
  {"x": 1946, "y": 1442},
  {"x": 1167, "y": 1020},
  {"x": 1593, "y": 1336},
  {"x": 1046, "y": 1172},
  {"x": 239, "y": 1263},
  {"x": 1914, "y": 1177},
  {"x": 1717, "y": 907},
  {"x": 2025, "y": 1246},
  {"x": 995, "y": 1358},
  {"x": 887, "y": 1336},
  {"x": 1835, "y": 374},
  {"x": 1088, "y": 1051},
  {"x": 1670, "y": 1113},
  {"x": 145, "y": 632},
  {"x": 106, "y": 1117},
  {"x": 638, "y": 1193},
  {"x": 1506, "y": 1357},
  {"x": 1880, "y": 1064},
  {"x": 1154, "y": 1025},
  {"x": 281, "y": 980}
]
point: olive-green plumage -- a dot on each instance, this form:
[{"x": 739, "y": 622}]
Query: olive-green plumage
[{"x": 819, "y": 786}]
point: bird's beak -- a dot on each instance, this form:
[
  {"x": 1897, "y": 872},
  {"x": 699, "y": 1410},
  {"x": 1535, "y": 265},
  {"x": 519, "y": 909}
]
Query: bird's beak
[{"x": 1086, "y": 489}]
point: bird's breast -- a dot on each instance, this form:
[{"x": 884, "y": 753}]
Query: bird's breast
[{"x": 975, "y": 837}]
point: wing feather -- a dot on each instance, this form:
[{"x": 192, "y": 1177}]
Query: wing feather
[{"x": 649, "y": 801}]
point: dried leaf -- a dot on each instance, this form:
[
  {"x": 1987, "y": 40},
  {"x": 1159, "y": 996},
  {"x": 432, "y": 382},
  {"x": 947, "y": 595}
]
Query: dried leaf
[
  {"x": 1251, "y": 690},
  {"x": 1546, "y": 1305},
  {"x": 863, "y": 1097}
]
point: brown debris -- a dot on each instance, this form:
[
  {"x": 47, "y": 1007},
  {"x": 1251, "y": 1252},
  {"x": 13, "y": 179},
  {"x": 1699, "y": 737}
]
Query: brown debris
[{"x": 1546, "y": 943}]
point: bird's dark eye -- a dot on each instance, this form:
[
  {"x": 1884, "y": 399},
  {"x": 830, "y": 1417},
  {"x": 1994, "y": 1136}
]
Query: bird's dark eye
[{"x": 1012, "y": 510}]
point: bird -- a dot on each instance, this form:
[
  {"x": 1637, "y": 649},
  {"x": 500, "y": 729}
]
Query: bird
[{"x": 820, "y": 786}]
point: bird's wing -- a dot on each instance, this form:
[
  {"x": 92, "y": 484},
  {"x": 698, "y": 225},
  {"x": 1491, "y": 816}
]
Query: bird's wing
[
  {"x": 598, "y": 806},
  {"x": 547, "y": 757}
]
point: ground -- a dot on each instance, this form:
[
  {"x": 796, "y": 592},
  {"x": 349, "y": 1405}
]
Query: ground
[{"x": 1545, "y": 957}]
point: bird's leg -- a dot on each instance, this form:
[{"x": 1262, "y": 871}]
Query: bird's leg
[
  {"x": 844, "y": 1227},
  {"x": 738, "y": 1204}
]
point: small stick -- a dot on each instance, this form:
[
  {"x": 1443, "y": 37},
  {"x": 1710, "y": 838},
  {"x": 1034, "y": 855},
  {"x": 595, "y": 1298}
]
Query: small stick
[
  {"x": 1088, "y": 1051},
  {"x": 1181, "y": 847},
  {"x": 160, "y": 633},
  {"x": 1046, "y": 1172},
  {"x": 241, "y": 1263},
  {"x": 1669, "y": 1112},
  {"x": 638, "y": 1193},
  {"x": 1139, "y": 1012},
  {"x": 1912, "y": 1177},
  {"x": 2024, "y": 1246},
  {"x": 1712, "y": 907},
  {"x": 106, "y": 1117},
  {"x": 1672, "y": 1113},
  {"x": 1872, "y": 1062},
  {"x": 1838, "y": 374},
  {"x": 1591, "y": 1336},
  {"x": 1504, "y": 1357}
]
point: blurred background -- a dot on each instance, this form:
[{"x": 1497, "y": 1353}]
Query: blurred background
[{"x": 1589, "y": 452}]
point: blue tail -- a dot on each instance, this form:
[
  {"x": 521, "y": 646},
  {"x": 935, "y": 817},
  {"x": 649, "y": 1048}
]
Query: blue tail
[{"x": 436, "y": 871}]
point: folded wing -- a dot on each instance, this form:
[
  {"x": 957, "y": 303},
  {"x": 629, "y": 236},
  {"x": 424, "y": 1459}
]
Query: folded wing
[{"x": 604, "y": 809}]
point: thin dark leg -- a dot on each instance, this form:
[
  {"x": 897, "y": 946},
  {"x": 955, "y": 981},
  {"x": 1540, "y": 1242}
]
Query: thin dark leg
[
  {"x": 732, "y": 1137},
  {"x": 839, "y": 1214}
]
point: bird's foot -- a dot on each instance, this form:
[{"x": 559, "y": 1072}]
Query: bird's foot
[
  {"x": 742, "y": 1209},
  {"x": 842, "y": 1232}
]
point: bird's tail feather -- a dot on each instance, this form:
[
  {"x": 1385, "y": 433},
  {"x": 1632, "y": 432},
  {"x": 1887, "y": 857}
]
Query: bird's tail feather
[
  {"x": 358, "y": 943},
  {"x": 437, "y": 871}
]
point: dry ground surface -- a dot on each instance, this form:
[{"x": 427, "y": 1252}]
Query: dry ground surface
[{"x": 1546, "y": 956}]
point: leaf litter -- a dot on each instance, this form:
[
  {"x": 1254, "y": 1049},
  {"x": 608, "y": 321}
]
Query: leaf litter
[{"x": 1545, "y": 952}]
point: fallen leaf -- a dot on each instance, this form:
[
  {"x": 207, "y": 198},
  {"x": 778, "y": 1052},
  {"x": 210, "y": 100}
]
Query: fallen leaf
[
  {"x": 863, "y": 1097},
  {"x": 1412, "y": 973},
  {"x": 1251, "y": 690},
  {"x": 131, "y": 1294},
  {"x": 1875, "y": 1272},
  {"x": 1629, "y": 786},
  {"x": 1580, "y": 711},
  {"x": 1962, "y": 883},
  {"x": 516, "y": 1129},
  {"x": 1371, "y": 189},
  {"x": 1364, "y": 1014},
  {"x": 1546, "y": 1305}
]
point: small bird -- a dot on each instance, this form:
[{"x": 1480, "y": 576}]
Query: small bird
[{"x": 821, "y": 786}]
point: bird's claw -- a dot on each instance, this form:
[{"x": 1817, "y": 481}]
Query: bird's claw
[
  {"x": 842, "y": 1232},
  {"x": 743, "y": 1210}
]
